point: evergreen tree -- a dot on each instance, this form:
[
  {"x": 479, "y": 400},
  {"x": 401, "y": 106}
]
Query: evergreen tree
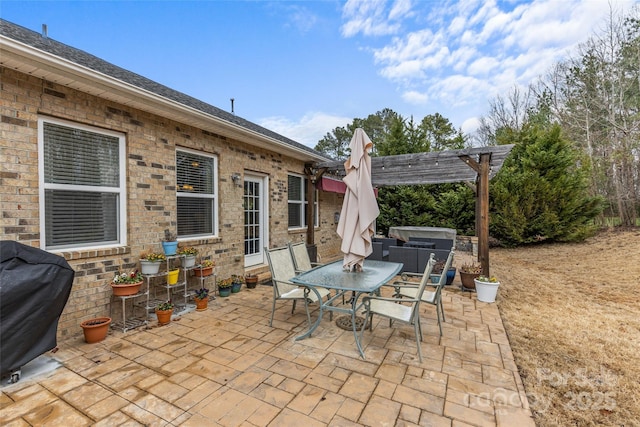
[{"x": 541, "y": 192}]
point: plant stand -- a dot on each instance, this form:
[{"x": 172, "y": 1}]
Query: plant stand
[{"x": 129, "y": 320}]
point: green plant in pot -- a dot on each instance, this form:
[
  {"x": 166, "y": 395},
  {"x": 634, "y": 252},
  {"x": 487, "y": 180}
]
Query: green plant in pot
[
  {"x": 487, "y": 288},
  {"x": 150, "y": 262},
  {"x": 236, "y": 283},
  {"x": 201, "y": 297},
  {"x": 125, "y": 284},
  {"x": 437, "y": 271},
  {"x": 189, "y": 253},
  {"x": 164, "y": 310},
  {"x": 205, "y": 268},
  {"x": 224, "y": 286}
]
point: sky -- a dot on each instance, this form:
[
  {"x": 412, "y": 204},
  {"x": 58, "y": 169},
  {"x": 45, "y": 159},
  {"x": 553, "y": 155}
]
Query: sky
[{"x": 303, "y": 68}]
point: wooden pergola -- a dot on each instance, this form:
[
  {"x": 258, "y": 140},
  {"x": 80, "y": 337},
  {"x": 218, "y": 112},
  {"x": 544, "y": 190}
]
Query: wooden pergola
[{"x": 474, "y": 166}]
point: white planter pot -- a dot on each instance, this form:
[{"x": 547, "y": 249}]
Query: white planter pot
[
  {"x": 486, "y": 291},
  {"x": 149, "y": 267},
  {"x": 189, "y": 261}
]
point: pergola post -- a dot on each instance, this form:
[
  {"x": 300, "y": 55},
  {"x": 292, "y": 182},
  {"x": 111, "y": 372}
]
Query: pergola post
[
  {"x": 483, "y": 199},
  {"x": 482, "y": 169},
  {"x": 313, "y": 175}
]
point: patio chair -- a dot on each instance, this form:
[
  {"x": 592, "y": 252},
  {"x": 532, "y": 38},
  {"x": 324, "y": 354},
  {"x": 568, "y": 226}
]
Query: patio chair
[
  {"x": 282, "y": 269},
  {"x": 301, "y": 259},
  {"x": 302, "y": 262},
  {"x": 407, "y": 289},
  {"x": 395, "y": 309}
]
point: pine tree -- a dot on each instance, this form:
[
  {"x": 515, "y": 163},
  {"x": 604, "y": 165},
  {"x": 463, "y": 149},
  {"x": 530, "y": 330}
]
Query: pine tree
[{"x": 541, "y": 192}]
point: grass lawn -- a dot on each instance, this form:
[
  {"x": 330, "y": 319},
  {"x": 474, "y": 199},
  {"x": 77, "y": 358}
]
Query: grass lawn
[{"x": 572, "y": 314}]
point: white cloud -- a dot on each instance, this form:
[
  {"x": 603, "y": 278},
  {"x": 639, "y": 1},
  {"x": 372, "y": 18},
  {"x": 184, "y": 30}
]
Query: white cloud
[
  {"x": 470, "y": 125},
  {"x": 370, "y": 17},
  {"x": 415, "y": 97},
  {"x": 309, "y": 130}
]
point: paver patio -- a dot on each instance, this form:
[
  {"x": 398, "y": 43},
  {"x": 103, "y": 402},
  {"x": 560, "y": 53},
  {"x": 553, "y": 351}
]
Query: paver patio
[{"x": 227, "y": 367}]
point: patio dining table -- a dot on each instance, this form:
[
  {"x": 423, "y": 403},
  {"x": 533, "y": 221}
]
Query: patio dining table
[{"x": 374, "y": 274}]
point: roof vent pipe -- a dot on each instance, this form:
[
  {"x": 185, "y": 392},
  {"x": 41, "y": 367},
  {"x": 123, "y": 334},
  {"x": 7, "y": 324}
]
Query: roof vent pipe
[
  {"x": 232, "y": 99},
  {"x": 44, "y": 31}
]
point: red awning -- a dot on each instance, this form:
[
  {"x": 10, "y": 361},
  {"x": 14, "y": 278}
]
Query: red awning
[{"x": 336, "y": 186}]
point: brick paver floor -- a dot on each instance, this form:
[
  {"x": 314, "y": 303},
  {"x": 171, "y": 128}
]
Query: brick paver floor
[{"x": 227, "y": 367}]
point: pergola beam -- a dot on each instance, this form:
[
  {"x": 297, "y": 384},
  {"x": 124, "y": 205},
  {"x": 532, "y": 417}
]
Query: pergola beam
[{"x": 473, "y": 166}]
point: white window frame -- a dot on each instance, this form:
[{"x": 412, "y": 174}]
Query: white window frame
[
  {"x": 121, "y": 190},
  {"x": 213, "y": 196},
  {"x": 303, "y": 203}
]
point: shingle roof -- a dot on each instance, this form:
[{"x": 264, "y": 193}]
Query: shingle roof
[{"x": 82, "y": 58}]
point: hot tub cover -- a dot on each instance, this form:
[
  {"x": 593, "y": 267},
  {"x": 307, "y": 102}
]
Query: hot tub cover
[{"x": 34, "y": 288}]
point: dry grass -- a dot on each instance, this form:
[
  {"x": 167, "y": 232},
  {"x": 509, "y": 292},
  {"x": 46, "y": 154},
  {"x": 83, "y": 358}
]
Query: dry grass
[{"x": 571, "y": 313}]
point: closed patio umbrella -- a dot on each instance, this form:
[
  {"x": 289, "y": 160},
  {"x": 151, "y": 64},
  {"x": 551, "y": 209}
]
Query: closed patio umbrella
[{"x": 359, "y": 208}]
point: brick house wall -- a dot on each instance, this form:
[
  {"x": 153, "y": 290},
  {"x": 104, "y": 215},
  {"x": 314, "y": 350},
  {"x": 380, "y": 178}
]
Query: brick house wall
[{"x": 151, "y": 143}]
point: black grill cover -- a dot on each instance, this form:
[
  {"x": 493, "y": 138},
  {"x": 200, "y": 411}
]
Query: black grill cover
[{"x": 34, "y": 288}]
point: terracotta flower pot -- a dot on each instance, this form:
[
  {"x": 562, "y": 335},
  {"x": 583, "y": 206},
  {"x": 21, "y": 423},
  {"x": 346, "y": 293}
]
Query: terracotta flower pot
[
  {"x": 201, "y": 304},
  {"x": 125, "y": 289},
  {"x": 95, "y": 330},
  {"x": 164, "y": 316},
  {"x": 203, "y": 272},
  {"x": 467, "y": 279}
]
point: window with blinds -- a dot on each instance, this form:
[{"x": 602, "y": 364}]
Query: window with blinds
[
  {"x": 196, "y": 191},
  {"x": 297, "y": 190},
  {"x": 83, "y": 182}
]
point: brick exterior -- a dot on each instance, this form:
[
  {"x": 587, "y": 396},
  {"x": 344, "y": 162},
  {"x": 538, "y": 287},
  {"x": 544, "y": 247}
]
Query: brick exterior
[{"x": 151, "y": 142}]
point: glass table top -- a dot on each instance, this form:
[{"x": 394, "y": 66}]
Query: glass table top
[{"x": 332, "y": 276}]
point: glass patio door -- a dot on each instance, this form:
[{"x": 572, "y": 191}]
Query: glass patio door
[{"x": 255, "y": 229}]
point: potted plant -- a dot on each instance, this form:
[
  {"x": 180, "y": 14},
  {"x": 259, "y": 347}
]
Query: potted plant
[
  {"x": 205, "y": 268},
  {"x": 251, "y": 280},
  {"x": 189, "y": 253},
  {"x": 164, "y": 310},
  {"x": 150, "y": 262},
  {"x": 96, "y": 329},
  {"x": 487, "y": 288},
  {"x": 224, "y": 287},
  {"x": 125, "y": 284},
  {"x": 170, "y": 243},
  {"x": 469, "y": 272},
  {"x": 236, "y": 283},
  {"x": 172, "y": 276},
  {"x": 201, "y": 298},
  {"x": 437, "y": 270}
]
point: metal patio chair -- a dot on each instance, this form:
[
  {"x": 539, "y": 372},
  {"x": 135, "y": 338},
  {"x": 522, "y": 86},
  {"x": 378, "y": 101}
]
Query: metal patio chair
[
  {"x": 395, "y": 309},
  {"x": 282, "y": 269},
  {"x": 407, "y": 289}
]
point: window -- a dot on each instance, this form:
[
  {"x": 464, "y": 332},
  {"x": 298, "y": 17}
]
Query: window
[
  {"x": 298, "y": 202},
  {"x": 82, "y": 184},
  {"x": 196, "y": 190}
]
